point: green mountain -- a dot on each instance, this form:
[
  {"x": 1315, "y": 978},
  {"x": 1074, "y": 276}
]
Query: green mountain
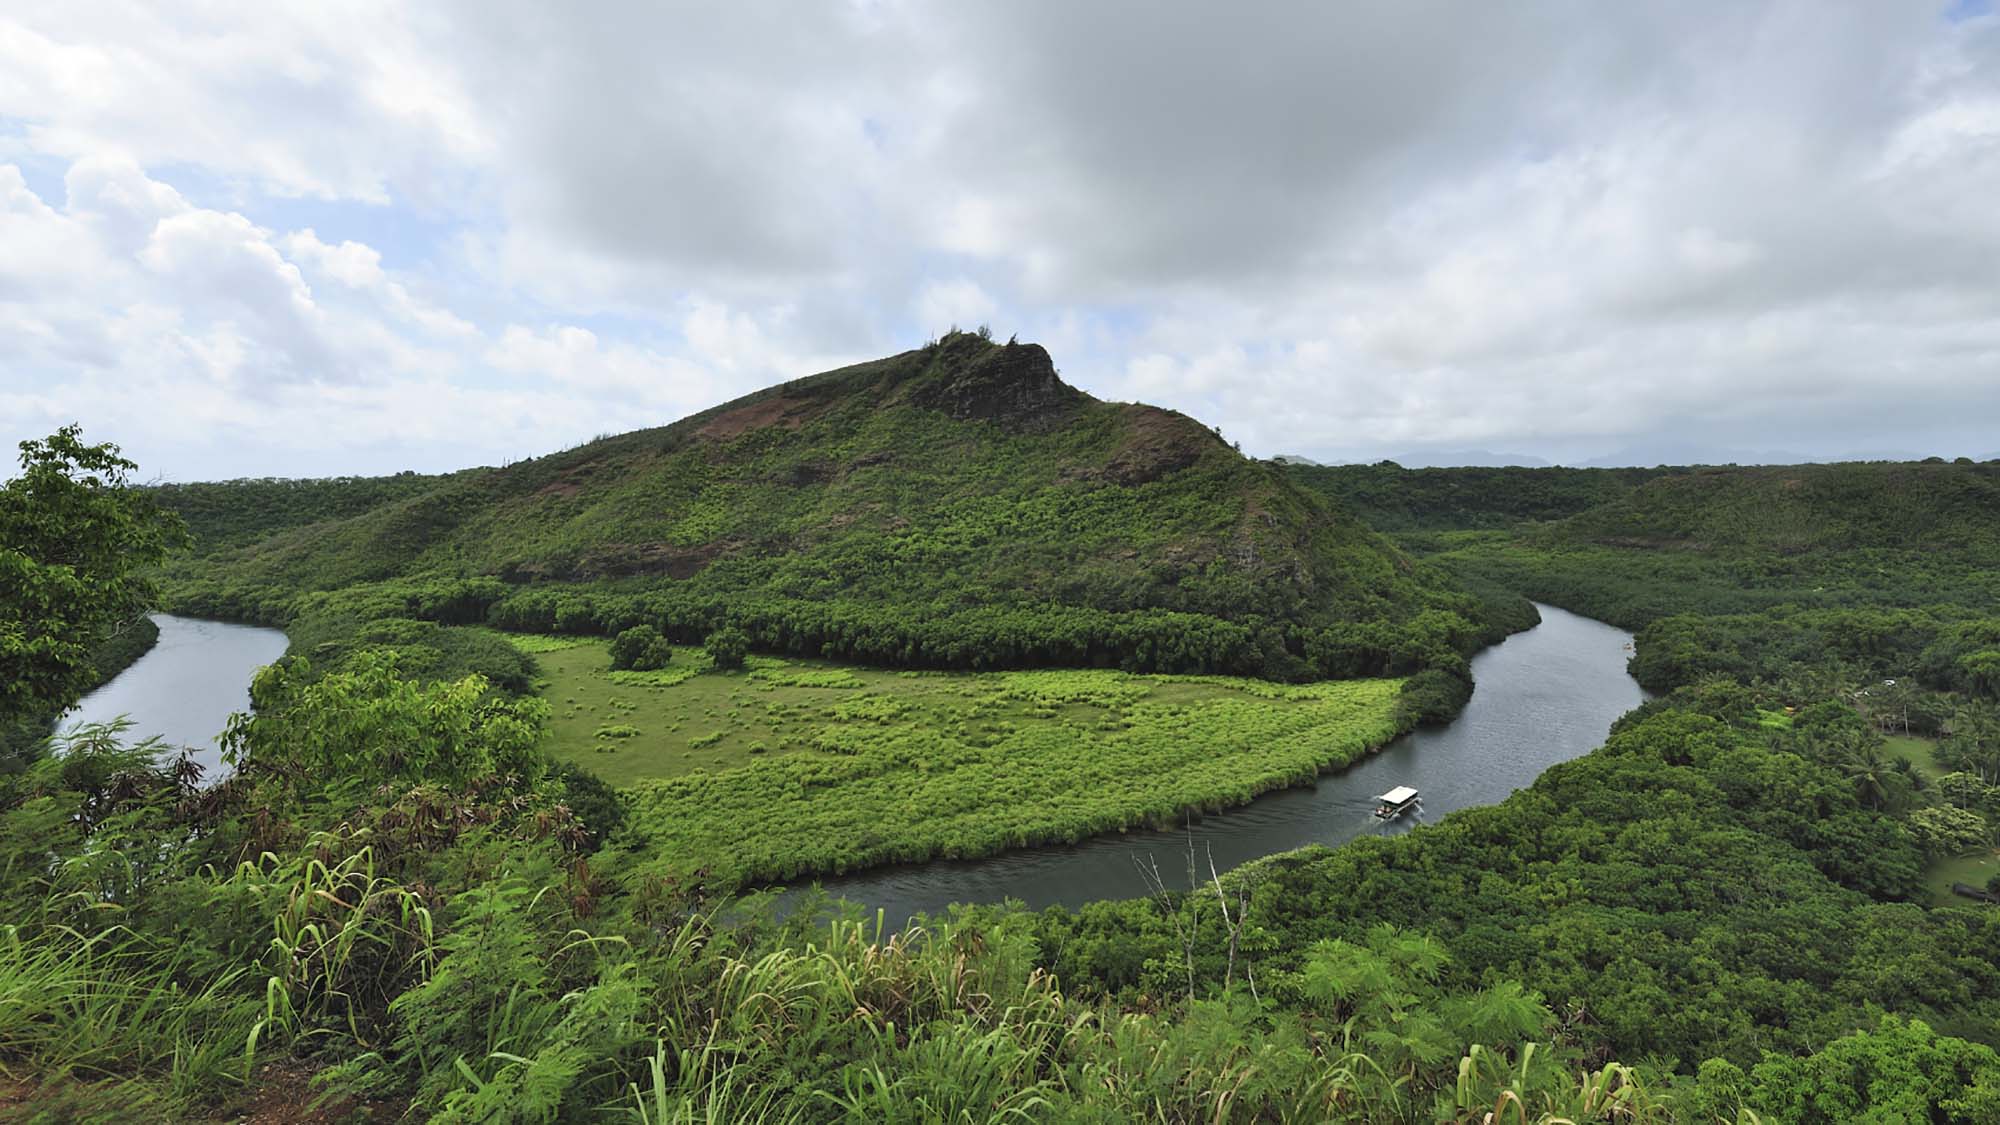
[{"x": 956, "y": 505}]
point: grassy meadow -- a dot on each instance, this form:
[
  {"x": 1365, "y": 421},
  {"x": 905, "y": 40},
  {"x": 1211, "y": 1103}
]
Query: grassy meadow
[
  {"x": 794, "y": 767},
  {"x": 1921, "y": 753},
  {"x": 1975, "y": 869}
]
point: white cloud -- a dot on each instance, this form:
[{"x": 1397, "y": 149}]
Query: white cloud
[
  {"x": 575, "y": 359},
  {"x": 349, "y": 263},
  {"x": 164, "y": 325},
  {"x": 957, "y": 302},
  {"x": 335, "y": 100},
  {"x": 359, "y": 267},
  {"x": 1348, "y": 229}
]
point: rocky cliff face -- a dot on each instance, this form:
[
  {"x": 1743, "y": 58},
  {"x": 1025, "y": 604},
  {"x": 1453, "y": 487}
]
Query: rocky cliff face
[{"x": 1014, "y": 385}]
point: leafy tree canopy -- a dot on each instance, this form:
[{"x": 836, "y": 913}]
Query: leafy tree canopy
[
  {"x": 641, "y": 649},
  {"x": 727, "y": 647},
  {"x": 75, "y": 547},
  {"x": 367, "y": 722}
]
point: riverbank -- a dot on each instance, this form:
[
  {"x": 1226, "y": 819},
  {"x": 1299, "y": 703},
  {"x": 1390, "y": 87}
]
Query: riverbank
[
  {"x": 867, "y": 767},
  {"x": 116, "y": 653},
  {"x": 184, "y": 687},
  {"x": 1546, "y": 695}
]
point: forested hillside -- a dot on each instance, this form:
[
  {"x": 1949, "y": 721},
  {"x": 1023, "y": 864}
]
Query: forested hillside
[
  {"x": 1796, "y": 509},
  {"x": 1884, "y": 567},
  {"x": 234, "y": 513},
  {"x": 1391, "y": 498},
  {"x": 954, "y": 506}
]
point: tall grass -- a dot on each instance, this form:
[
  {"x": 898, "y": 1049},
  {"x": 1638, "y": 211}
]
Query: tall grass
[{"x": 120, "y": 1006}]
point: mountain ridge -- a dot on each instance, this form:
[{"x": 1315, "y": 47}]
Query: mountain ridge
[{"x": 1789, "y": 509}]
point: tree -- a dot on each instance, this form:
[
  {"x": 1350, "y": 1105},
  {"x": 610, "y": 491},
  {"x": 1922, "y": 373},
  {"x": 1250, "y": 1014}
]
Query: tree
[
  {"x": 1946, "y": 830},
  {"x": 1893, "y": 699},
  {"x": 641, "y": 648},
  {"x": 76, "y": 547},
  {"x": 368, "y": 724},
  {"x": 1974, "y": 742},
  {"x": 727, "y": 646},
  {"x": 1898, "y": 1072},
  {"x": 1879, "y": 782}
]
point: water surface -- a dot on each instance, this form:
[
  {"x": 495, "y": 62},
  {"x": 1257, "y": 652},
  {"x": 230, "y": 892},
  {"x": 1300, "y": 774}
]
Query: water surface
[
  {"x": 1543, "y": 696},
  {"x": 185, "y": 688}
]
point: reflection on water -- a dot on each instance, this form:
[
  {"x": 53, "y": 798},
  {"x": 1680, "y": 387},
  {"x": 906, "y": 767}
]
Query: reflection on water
[
  {"x": 187, "y": 686},
  {"x": 1543, "y": 696}
]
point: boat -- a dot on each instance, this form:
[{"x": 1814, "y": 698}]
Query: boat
[{"x": 1396, "y": 802}]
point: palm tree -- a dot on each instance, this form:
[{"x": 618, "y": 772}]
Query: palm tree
[
  {"x": 1974, "y": 741},
  {"x": 1878, "y": 781}
]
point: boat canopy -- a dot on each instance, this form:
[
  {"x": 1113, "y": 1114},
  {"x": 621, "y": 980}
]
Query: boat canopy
[{"x": 1397, "y": 795}]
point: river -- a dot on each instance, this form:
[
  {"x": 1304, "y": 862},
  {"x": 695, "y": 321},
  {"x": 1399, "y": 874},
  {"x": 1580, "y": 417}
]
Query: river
[
  {"x": 185, "y": 688},
  {"x": 1543, "y": 696}
]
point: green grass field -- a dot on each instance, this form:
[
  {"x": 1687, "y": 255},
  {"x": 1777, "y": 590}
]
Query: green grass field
[
  {"x": 1976, "y": 869},
  {"x": 792, "y": 767},
  {"x": 630, "y": 726},
  {"x": 1919, "y": 752},
  {"x": 688, "y": 717}
]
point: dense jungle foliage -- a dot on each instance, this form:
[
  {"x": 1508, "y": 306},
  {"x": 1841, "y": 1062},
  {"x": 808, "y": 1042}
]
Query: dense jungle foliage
[
  {"x": 1703, "y": 886},
  {"x": 400, "y": 905},
  {"x": 236, "y": 513},
  {"x": 443, "y": 946},
  {"x": 1868, "y": 571},
  {"x": 1873, "y": 585},
  {"x": 954, "y": 506},
  {"x": 1391, "y": 498}
]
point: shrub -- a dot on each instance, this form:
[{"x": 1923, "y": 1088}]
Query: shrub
[
  {"x": 368, "y": 721},
  {"x": 1434, "y": 695},
  {"x": 727, "y": 647},
  {"x": 640, "y": 649},
  {"x": 597, "y": 805}
]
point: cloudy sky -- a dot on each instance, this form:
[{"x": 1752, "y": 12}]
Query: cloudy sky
[{"x": 308, "y": 239}]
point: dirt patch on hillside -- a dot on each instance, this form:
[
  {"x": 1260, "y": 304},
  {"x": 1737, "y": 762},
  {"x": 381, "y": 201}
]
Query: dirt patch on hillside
[
  {"x": 805, "y": 474},
  {"x": 284, "y": 1090},
  {"x": 783, "y": 411}
]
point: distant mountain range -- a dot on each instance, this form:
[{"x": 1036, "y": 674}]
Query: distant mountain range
[
  {"x": 1644, "y": 455},
  {"x": 1431, "y": 459}
]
